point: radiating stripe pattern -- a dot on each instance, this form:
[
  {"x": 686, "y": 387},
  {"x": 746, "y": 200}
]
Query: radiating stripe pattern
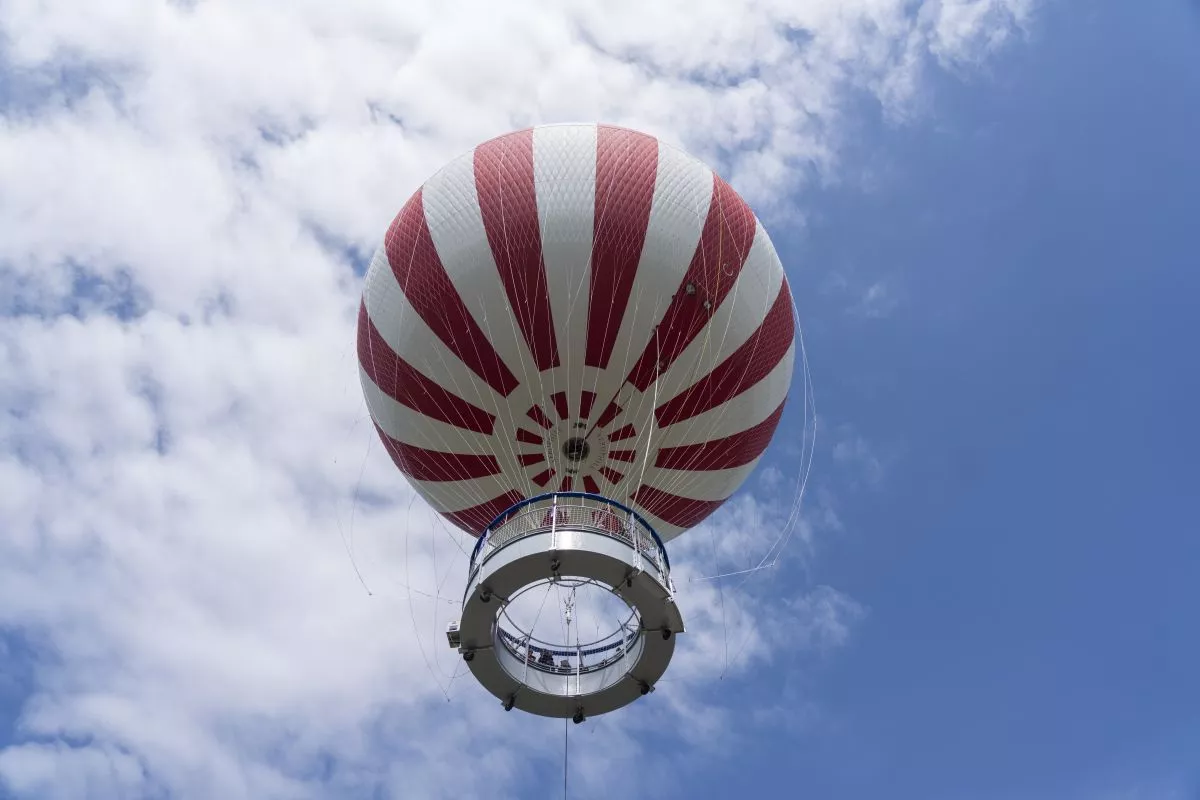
[{"x": 576, "y": 307}]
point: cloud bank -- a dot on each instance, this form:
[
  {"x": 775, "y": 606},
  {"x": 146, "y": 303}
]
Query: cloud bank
[{"x": 189, "y": 191}]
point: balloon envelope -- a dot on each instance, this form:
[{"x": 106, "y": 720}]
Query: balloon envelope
[{"x": 576, "y": 308}]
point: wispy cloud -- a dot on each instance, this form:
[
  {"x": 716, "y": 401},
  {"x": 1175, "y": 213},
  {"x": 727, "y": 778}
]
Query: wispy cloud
[
  {"x": 878, "y": 300},
  {"x": 854, "y": 453},
  {"x": 189, "y": 190},
  {"x": 860, "y": 296}
]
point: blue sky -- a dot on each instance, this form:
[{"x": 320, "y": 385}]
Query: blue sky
[
  {"x": 1028, "y": 557},
  {"x": 995, "y": 294}
]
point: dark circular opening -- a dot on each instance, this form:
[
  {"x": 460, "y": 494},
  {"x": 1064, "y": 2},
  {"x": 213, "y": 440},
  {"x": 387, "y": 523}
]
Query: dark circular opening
[{"x": 576, "y": 449}]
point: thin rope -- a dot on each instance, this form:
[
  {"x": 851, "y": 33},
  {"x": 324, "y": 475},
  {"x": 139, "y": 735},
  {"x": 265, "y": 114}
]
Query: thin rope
[
  {"x": 566, "y": 729},
  {"x": 721, "y": 595},
  {"x": 731, "y": 574},
  {"x": 776, "y": 549},
  {"x": 348, "y": 543},
  {"x": 412, "y": 615}
]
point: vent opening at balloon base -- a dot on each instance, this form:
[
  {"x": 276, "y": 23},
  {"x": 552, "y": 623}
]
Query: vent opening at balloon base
[{"x": 569, "y": 609}]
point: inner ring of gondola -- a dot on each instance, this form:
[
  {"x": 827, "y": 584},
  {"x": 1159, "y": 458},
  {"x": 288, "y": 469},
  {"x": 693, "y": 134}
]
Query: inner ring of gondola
[{"x": 548, "y": 656}]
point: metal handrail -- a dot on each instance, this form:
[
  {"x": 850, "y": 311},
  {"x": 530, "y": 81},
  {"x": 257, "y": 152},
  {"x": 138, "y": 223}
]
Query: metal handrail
[
  {"x": 511, "y": 642},
  {"x": 501, "y": 531}
]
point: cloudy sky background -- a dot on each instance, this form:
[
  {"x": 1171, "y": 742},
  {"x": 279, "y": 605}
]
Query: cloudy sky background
[{"x": 984, "y": 208}]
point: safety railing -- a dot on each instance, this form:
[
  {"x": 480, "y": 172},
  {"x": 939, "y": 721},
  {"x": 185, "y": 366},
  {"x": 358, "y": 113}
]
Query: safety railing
[
  {"x": 565, "y": 660},
  {"x": 572, "y": 511}
]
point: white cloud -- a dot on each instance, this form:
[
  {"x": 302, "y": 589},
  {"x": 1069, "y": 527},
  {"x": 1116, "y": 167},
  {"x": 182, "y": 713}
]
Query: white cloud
[
  {"x": 183, "y": 435},
  {"x": 823, "y": 618},
  {"x": 862, "y": 295},
  {"x": 966, "y": 31},
  {"x": 862, "y": 461},
  {"x": 878, "y": 300}
]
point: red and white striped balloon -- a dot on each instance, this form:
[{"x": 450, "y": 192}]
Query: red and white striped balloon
[{"x": 576, "y": 308}]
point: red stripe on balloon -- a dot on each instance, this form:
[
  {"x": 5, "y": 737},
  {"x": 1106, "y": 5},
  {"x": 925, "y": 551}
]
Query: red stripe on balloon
[
  {"x": 504, "y": 183},
  {"x": 611, "y": 475},
  {"x": 419, "y": 271},
  {"x": 590, "y": 485},
  {"x": 475, "y": 519},
  {"x": 745, "y": 367},
  {"x": 566, "y": 484},
  {"x": 433, "y": 465},
  {"x": 528, "y": 459},
  {"x": 609, "y": 415},
  {"x": 724, "y": 244},
  {"x": 682, "y": 512},
  {"x": 529, "y": 437},
  {"x": 622, "y": 433},
  {"x": 400, "y": 381},
  {"x": 732, "y": 451},
  {"x": 560, "y": 404},
  {"x": 542, "y": 478},
  {"x": 626, "y": 169},
  {"x": 622, "y": 455},
  {"x": 586, "y": 401},
  {"x": 536, "y": 414}
]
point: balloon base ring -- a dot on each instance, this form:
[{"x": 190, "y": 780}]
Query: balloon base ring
[{"x": 569, "y": 539}]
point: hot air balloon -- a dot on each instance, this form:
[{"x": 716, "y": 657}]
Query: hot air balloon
[{"x": 575, "y": 341}]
